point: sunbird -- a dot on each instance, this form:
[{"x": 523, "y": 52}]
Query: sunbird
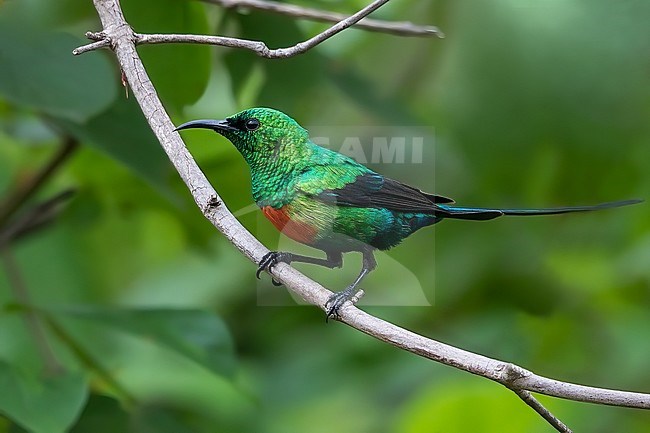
[{"x": 326, "y": 200}]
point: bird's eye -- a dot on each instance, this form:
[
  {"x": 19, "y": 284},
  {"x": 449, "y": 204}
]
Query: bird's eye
[{"x": 252, "y": 124}]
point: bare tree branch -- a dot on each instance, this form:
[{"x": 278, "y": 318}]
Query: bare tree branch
[
  {"x": 258, "y": 47},
  {"x": 517, "y": 379},
  {"x": 90, "y": 47},
  {"x": 399, "y": 28},
  {"x": 531, "y": 401}
]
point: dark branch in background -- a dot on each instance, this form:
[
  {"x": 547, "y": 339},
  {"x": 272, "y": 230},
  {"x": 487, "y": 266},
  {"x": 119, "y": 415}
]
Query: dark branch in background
[
  {"x": 399, "y": 28},
  {"x": 24, "y": 191},
  {"x": 10, "y": 230},
  {"x": 123, "y": 41},
  {"x": 11, "y": 227},
  {"x": 34, "y": 218},
  {"x": 258, "y": 47}
]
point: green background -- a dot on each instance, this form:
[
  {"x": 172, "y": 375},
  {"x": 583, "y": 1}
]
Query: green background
[{"x": 158, "y": 324}]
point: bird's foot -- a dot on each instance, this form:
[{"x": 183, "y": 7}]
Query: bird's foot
[
  {"x": 338, "y": 299},
  {"x": 271, "y": 259}
]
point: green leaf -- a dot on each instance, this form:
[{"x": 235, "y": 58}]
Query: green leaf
[
  {"x": 122, "y": 132},
  {"x": 38, "y": 71},
  {"x": 198, "y": 335},
  {"x": 102, "y": 415},
  {"x": 179, "y": 72},
  {"x": 41, "y": 405}
]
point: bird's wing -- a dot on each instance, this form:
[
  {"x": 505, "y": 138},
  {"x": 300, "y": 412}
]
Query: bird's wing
[{"x": 358, "y": 186}]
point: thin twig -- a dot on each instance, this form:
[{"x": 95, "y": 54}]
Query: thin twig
[
  {"x": 538, "y": 407},
  {"x": 90, "y": 47},
  {"x": 207, "y": 199},
  {"x": 301, "y": 47},
  {"x": 258, "y": 47},
  {"x": 399, "y": 28}
]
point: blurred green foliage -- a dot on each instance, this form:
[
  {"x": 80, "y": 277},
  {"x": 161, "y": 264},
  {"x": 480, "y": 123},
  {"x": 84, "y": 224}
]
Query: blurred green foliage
[{"x": 157, "y": 324}]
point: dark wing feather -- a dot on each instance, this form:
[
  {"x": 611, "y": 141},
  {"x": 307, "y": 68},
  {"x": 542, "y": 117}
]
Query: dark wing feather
[{"x": 374, "y": 190}]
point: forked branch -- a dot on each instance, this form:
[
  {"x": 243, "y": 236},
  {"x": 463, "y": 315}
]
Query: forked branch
[{"x": 260, "y": 48}]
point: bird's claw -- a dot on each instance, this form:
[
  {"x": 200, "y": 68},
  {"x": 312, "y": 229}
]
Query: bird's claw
[
  {"x": 271, "y": 259},
  {"x": 267, "y": 262},
  {"x": 338, "y": 299}
]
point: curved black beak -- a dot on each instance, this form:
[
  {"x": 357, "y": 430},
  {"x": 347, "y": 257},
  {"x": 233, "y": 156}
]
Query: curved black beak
[{"x": 219, "y": 126}]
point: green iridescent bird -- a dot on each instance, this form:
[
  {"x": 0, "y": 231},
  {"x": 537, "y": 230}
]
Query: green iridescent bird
[{"x": 328, "y": 201}]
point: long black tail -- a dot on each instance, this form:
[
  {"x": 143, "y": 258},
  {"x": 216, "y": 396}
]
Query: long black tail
[{"x": 479, "y": 213}]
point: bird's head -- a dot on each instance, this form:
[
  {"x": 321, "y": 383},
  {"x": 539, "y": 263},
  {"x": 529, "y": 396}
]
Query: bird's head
[{"x": 258, "y": 133}]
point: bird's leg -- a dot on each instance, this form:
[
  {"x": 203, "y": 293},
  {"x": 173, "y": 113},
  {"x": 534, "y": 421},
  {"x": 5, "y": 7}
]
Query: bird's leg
[
  {"x": 272, "y": 258},
  {"x": 336, "y": 301}
]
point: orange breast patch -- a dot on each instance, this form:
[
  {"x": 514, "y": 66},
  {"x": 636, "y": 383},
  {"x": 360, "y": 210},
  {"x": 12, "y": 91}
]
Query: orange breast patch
[{"x": 298, "y": 231}]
